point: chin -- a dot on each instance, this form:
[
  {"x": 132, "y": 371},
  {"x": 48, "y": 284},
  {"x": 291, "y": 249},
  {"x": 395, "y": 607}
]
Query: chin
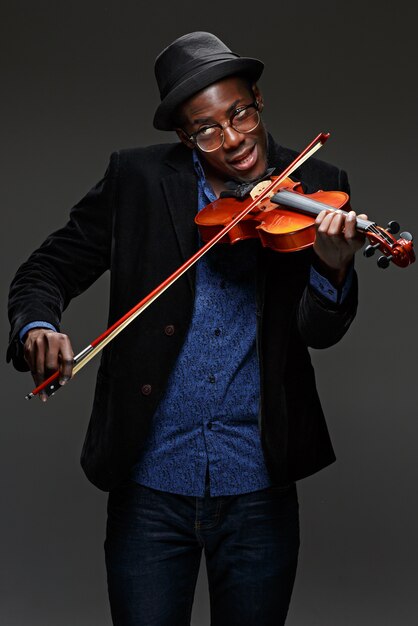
[{"x": 256, "y": 172}]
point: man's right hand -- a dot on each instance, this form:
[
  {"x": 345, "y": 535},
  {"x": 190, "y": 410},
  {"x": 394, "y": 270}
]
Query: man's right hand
[{"x": 47, "y": 351}]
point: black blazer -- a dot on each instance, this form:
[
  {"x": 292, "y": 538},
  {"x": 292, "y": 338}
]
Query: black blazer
[{"x": 138, "y": 222}]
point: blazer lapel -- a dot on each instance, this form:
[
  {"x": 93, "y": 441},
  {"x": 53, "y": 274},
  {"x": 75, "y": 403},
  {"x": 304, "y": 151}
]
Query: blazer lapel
[{"x": 180, "y": 191}]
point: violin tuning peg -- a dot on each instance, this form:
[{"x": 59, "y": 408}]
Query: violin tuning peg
[
  {"x": 406, "y": 235},
  {"x": 370, "y": 250},
  {"x": 383, "y": 261},
  {"x": 393, "y": 227}
]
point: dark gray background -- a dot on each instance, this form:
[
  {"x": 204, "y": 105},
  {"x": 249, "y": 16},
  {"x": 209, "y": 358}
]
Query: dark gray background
[{"x": 77, "y": 82}]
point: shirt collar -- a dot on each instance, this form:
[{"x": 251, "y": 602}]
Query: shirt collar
[
  {"x": 201, "y": 178},
  {"x": 198, "y": 167}
]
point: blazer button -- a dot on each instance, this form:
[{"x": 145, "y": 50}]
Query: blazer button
[
  {"x": 169, "y": 330},
  {"x": 146, "y": 390}
]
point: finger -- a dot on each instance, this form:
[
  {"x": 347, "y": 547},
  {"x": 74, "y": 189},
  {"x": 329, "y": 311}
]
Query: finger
[
  {"x": 66, "y": 361},
  {"x": 38, "y": 372},
  {"x": 321, "y": 217},
  {"x": 28, "y": 353},
  {"x": 59, "y": 355},
  {"x": 336, "y": 224},
  {"x": 354, "y": 237},
  {"x": 31, "y": 353},
  {"x": 39, "y": 360},
  {"x": 350, "y": 230},
  {"x": 323, "y": 225},
  {"x": 52, "y": 348}
]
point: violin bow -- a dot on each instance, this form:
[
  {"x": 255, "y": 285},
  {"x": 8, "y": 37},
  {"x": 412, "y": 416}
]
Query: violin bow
[{"x": 51, "y": 385}]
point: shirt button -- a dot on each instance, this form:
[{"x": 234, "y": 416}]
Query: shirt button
[
  {"x": 146, "y": 390},
  {"x": 211, "y": 378},
  {"x": 210, "y": 425},
  {"x": 169, "y": 330},
  {"x": 217, "y": 332}
]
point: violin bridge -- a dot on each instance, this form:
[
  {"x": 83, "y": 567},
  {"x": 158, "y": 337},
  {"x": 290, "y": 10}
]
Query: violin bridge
[{"x": 258, "y": 189}]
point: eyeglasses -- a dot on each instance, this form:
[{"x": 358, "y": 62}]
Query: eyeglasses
[{"x": 243, "y": 120}]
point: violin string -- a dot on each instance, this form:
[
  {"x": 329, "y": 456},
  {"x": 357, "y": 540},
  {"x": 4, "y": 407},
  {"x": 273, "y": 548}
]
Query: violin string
[
  {"x": 374, "y": 229},
  {"x": 381, "y": 234}
]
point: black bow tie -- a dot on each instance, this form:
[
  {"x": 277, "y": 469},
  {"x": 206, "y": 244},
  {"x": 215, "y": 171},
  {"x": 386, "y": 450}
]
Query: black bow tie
[{"x": 241, "y": 190}]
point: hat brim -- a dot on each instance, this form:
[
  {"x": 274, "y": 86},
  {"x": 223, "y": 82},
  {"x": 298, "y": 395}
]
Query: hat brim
[{"x": 251, "y": 68}]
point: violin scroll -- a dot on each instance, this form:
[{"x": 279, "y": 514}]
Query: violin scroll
[{"x": 398, "y": 251}]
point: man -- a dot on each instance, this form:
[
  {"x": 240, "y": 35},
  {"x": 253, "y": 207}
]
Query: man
[{"x": 205, "y": 411}]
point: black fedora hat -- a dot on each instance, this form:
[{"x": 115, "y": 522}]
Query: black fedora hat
[{"x": 191, "y": 63}]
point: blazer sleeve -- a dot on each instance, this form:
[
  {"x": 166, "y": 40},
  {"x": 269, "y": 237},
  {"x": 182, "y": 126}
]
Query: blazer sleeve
[
  {"x": 66, "y": 264},
  {"x": 322, "y": 323}
]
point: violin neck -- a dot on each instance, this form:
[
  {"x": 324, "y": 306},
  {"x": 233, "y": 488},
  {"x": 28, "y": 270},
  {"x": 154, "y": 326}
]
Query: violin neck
[{"x": 313, "y": 207}]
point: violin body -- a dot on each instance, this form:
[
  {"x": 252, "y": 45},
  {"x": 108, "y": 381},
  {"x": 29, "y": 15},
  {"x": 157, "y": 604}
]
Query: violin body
[{"x": 277, "y": 227}]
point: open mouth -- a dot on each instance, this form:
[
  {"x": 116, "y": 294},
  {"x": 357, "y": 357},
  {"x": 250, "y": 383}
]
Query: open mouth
[{"x": 247, "y": 161}]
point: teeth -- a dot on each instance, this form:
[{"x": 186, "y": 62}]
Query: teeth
[{"x": 244, "y": 158}]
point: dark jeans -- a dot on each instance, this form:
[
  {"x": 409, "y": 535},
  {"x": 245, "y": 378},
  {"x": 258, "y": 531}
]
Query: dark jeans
[{"x": 154, "y": 544}]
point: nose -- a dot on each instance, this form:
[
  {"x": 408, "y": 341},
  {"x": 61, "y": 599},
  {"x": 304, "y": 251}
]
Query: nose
[{"x": 232, "y": 138}]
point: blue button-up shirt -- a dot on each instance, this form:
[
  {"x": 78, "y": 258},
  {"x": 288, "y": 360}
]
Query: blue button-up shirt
[{"x": 208, "y": 417}]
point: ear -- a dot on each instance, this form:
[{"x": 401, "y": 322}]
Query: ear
[
  {"x": 184, "y": 138},
  {"x": 258, "y": 96}
]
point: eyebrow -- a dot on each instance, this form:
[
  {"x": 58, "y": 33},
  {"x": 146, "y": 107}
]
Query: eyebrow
[{"x": 230, "y": 109}]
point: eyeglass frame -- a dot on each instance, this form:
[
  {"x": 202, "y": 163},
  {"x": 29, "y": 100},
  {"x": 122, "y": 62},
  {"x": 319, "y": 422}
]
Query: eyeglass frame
[{"x": 192, "y": 137}]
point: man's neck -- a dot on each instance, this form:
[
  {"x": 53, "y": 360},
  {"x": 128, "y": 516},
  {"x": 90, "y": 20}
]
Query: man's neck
[{"x": 218, "y": 185}]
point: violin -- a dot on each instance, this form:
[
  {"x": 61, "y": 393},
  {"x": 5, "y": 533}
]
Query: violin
[
  {"x": 265, "y": 213},
  {"x": 282, "y": 217}
]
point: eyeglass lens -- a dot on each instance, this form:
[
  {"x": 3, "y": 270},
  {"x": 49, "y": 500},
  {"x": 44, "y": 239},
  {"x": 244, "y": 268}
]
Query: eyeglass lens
[{"x": 243, "y": 121}]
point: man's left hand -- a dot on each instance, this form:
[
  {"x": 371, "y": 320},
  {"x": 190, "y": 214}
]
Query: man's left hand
[{"x": 337, "y": 240}]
